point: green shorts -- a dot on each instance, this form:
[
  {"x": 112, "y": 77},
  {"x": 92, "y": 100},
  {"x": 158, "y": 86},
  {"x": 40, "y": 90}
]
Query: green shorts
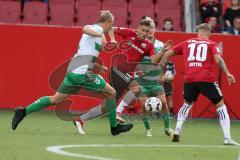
[
  {"x": 73, "y": 82},
  {"x": 150, "y": 88}
]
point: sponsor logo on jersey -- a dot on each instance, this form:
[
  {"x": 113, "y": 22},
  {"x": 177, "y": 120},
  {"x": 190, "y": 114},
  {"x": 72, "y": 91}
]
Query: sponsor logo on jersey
[
  {"x": 136, "y": 47},
  {"x": 144, "y": 45}
]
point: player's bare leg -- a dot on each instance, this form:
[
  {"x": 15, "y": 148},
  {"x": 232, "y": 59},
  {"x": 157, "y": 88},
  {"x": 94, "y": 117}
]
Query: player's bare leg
[
  {"x": 95, "y": 112},
  {"x": 170, "y": 104},
  {"x": 134, "y": 90},
  {"x": 165, "y": 115},
  {"x": 109, "y": 107},
  {"x": 39, "y": 104},
  {"x": 225, "y": 123},
  {"x": 182, "y": 115}
]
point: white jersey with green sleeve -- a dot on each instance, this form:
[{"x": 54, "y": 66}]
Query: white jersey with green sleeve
[
  {"x": 88, "y": 49},
  {"x": 158, "y": 46},
  {"x": 152, "y": 72}
]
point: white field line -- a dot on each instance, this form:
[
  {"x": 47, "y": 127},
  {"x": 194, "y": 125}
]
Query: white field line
[{"x": 59, "y": 148}]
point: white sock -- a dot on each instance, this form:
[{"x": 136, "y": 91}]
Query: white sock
[
  {"x": 224, "y": 121},
  {"x": 91, "y": 114},
  {"x": 127, "y": 99},
  {"x": 121, "y": 106},
  {"x": 182, "y": 115}
]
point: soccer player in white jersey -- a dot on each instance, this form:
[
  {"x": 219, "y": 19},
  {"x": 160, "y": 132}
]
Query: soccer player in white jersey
[{"x": 80, "y": 75}]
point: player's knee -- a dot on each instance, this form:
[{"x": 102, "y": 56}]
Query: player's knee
[
  {"x": 55, "y": 100},
  {"x": 136, "y": 90},
  {"x": 189, "y": 102},
  {"x": 218, "y": 102},
  {"x": 112, "y": 93}
]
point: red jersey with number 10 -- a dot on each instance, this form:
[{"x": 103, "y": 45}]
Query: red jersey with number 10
[{"x": 198, "y": 59}]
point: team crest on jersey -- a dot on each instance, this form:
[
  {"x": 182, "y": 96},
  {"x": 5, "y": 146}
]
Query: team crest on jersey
[{"x": 144, "y": 45}]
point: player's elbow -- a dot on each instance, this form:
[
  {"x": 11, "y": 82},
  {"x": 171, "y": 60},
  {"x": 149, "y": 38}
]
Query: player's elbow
[{"x": 217, "y": 58}]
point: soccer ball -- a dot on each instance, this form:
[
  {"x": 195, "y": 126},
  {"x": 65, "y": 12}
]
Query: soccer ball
[{"x": 153, "y": 104}]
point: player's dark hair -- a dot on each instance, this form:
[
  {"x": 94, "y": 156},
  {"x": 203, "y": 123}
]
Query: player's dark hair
[
  {"x": 152, "y": 23},
  {"x": 145, "y": 22}
]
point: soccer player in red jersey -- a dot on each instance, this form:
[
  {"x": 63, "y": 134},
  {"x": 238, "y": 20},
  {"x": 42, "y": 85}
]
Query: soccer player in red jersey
[
  {"x": 132, "y": 49},
  {"x": 199, "y": 54}
]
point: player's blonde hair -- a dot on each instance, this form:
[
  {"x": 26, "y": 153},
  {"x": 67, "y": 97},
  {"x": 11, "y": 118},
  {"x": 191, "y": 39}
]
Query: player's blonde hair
[
  {"x": 204, "y": 26},
  {"x": 105, "y": 16}
]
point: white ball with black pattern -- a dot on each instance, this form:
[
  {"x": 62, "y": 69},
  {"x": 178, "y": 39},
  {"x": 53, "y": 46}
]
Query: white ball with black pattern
[{"x": 153, "y": 104}]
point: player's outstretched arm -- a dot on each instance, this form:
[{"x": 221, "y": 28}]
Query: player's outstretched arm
[
  {"x": 166, "y": 56},
  {"x": 112, "y": 36},
  {"x": 89, "y": 31},
  {"x": 222, "y": 64}
]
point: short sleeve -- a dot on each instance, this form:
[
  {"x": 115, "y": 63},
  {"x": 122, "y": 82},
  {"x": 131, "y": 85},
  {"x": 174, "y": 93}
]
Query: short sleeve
[
  {"x": 125, "y": 32},
  {"x": 178, "y": 49},
  {"x": 96, "y": 28},
  {"x": 151, "y": 49},
  {"x": 158, "y": 45},
  {"x": 215, "y": 49}
]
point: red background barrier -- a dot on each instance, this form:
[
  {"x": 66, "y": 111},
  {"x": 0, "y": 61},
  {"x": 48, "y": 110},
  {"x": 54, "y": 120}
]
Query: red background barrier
[{"x": 30, "y": 54}]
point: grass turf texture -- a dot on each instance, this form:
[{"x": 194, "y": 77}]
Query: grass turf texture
[{"x": 43, "y": 129}]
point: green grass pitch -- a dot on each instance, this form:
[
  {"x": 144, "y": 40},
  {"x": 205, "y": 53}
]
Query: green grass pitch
[{"x": 201, "y": 140}]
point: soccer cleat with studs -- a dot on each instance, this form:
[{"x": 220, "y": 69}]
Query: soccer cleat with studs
[
  {"x": 229, "y": 141},
  {"x": 148, "y": 133},
  {"x": 19, "y": 115},
  {"x": 79, "y": 125},
  {"x": 121, "y": 128},
  {"x": 169, "y": 131},
  {"x": 176, "y": 138}
]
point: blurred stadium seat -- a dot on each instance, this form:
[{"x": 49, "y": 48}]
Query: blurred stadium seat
[
  {"x": 171, "y": 10},
  {"x": 82, "y": 12},
  {"x": 10, "y": 11},
  {"x": 35, "y": 12},
  {"x": 62, "y": 12},
  {"x": 164, "y": 4},
  {"x": 87, "y": 11},
  {"x": 138, "y": 9},
  {"x": 119, "y": 9}
]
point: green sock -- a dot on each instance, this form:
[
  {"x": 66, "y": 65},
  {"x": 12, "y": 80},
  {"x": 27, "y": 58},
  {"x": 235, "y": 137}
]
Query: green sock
[
  {"x": 110, "y": 105},
  {"x": 165, "y": 117},
  {"x": 146, "y": 121},
  {"x": 39, "y": 104}
]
